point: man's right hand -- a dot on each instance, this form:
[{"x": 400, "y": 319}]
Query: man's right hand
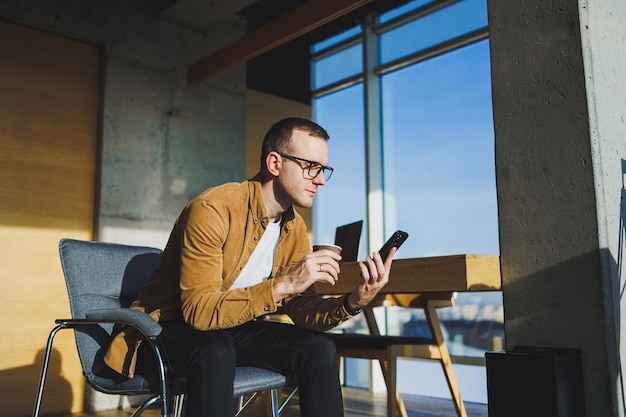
[{"x": 322, "y": 265}]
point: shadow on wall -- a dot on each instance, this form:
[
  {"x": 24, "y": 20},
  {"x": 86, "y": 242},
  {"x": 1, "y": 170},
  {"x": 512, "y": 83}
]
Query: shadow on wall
[
  {"x": 542, "y": 325},
  {"x": 25, "y": 380},
  {"x": 576, "y": 276}
]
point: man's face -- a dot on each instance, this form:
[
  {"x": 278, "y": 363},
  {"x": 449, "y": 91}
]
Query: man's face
[{"x": 294, "y": 185}]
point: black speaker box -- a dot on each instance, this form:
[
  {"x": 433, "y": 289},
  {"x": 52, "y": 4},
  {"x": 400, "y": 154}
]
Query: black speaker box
[{"x": 535, "y": 382}]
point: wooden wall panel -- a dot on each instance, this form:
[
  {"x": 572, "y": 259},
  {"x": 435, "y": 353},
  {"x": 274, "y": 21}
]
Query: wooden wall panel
[{"x": 49, "y": 98}]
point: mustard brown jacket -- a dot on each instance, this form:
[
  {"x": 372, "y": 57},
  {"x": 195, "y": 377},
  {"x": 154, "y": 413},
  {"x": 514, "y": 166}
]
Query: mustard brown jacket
[{"x": 211, "y": 241}]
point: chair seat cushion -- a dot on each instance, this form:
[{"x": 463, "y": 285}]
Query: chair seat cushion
[
  {"x": 113, "y": 383},
  {"x": 366, "y": 341},
  {"x": 248, "y": 380}
]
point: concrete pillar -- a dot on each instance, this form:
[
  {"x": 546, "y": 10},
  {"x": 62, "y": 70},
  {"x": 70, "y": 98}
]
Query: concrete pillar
[{"x": 559, "y": 96}]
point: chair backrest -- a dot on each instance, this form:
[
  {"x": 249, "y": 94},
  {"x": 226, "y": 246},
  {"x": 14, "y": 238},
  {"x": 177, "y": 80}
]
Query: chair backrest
[{"x": 102, "y": 275}]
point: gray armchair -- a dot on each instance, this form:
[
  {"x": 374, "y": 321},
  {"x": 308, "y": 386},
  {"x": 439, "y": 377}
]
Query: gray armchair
[{"x": 102, "y": 281}]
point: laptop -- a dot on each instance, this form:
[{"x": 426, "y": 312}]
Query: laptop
[{"x": 348, "y": 237}]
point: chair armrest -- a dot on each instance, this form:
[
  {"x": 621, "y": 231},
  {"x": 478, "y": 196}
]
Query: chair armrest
[{"x": 142, "y": 321}]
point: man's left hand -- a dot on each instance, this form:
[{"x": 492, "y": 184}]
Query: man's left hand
[{"x": 374, "y": 276}]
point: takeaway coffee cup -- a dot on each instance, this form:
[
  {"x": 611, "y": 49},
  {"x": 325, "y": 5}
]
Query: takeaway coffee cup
[{"x": 334, "y": 248}]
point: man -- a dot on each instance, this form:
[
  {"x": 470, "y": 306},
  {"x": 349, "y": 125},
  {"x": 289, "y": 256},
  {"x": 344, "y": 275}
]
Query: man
[{"x": 236, "y": 253}]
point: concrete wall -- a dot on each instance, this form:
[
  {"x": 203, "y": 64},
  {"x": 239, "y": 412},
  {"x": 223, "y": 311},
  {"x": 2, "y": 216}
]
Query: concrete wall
[
  {"x": 162, "y": 141},
  {"x": 558, "y": 71},
  {"x": 604, "y": 57}
]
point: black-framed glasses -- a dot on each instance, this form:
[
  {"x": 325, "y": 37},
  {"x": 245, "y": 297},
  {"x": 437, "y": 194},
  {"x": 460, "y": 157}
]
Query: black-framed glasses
[{"x": 313, "y": 169}]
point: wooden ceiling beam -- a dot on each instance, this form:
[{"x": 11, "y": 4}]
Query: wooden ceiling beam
[{"x": 281, "y": 30}]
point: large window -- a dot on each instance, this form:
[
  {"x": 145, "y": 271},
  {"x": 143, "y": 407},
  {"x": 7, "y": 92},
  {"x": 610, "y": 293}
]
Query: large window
[
  {"x": 425, "y": 102},
  {"x": 438, "y": 154},
  {"x": 342, "y": 113}
]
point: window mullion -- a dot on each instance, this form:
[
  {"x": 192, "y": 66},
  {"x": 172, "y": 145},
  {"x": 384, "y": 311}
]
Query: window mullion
[{"x": 373, "y": 141}]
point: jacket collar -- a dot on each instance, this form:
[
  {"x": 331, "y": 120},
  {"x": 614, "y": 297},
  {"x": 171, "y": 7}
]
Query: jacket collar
[{"x": 257, "y": 204}]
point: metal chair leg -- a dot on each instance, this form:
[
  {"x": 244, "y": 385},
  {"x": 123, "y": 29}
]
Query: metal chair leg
[
  {"x": 44, "y": 369},
  {"x": 243, "y": 407},
  {"x": 145, "y": 405},
  {"x": 274, "y": 401},
  {"x": 177, "y": 410},
  {"x": 289, "y": 397}
]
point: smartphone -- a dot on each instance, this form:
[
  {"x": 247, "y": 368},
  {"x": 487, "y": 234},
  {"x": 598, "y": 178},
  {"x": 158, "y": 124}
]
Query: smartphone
[{"x": 397, "y": 239}]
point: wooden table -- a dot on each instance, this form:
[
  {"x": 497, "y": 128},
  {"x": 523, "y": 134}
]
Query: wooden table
[
  {"x": 452, "y": 273},
  {"x": 427, "y": 283}
]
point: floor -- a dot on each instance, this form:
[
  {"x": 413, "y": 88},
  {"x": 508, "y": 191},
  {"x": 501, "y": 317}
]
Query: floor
[
  {"x": 358, "y": 403},
  {"x": 363, "y": 403}
]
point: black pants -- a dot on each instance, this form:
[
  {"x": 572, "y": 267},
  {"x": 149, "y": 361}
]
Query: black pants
[{"x": 208, "y": 359}]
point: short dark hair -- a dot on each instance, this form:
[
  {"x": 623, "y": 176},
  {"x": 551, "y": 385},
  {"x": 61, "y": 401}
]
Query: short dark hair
[{"x": 278, "y": 136}]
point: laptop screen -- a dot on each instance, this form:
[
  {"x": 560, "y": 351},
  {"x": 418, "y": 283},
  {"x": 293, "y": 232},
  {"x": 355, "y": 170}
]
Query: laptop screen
[{"x": 348, "y": 237}]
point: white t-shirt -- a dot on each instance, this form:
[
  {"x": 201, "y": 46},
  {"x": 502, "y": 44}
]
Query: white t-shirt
[{"x": 259, "y": 266}]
